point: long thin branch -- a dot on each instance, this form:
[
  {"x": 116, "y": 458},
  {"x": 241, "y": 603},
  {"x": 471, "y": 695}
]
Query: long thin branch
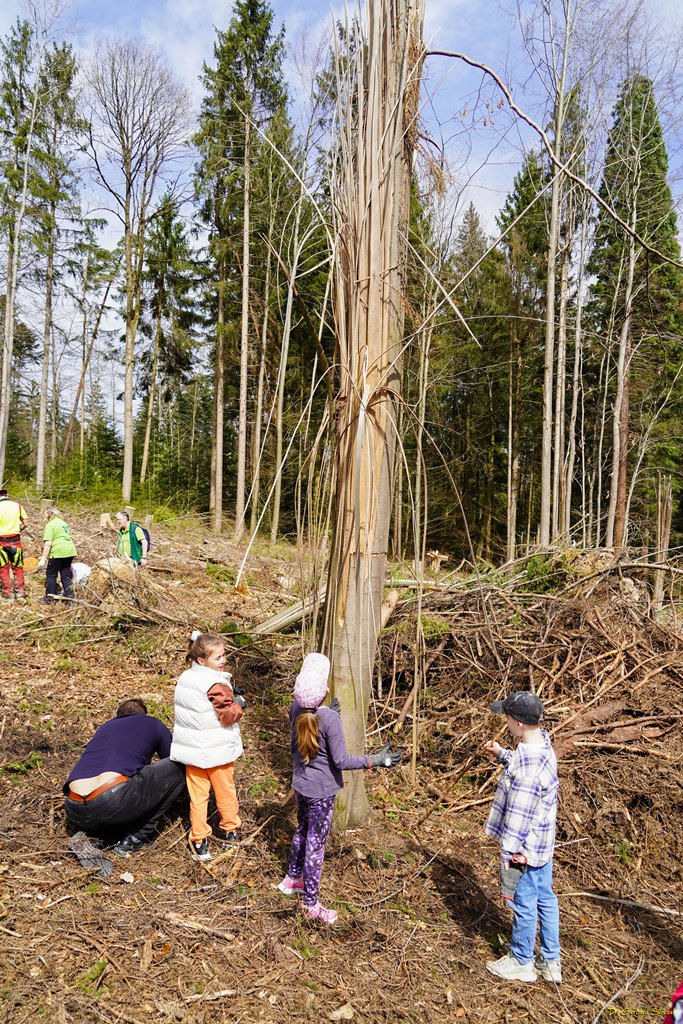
[
  {"x": 564, "y": 168},
  {"x": 622, "y": 991}
]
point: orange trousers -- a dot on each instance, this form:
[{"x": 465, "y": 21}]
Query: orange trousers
[{"x": 199, "y": 783}]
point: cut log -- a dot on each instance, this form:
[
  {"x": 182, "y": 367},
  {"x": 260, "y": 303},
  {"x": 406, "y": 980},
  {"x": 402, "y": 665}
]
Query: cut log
[
  {"x": 389, "y": 607},
  {"x": 290, "y": 616},
  {"x": 295, "y": 613}
]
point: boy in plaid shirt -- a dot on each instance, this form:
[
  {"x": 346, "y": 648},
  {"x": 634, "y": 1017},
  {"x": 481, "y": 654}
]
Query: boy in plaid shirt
[{"x": 522, "y": 819}]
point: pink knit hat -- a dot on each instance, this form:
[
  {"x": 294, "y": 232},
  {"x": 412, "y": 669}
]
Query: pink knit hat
[{"x": 311, "y": 683}]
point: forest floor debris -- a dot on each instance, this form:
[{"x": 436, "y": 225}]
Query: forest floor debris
[{"x": 416, "y": 889}]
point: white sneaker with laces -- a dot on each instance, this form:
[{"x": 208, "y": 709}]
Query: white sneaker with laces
[
  {"x": 509, "y": 969},
  {"x": 549, "y": 970}
]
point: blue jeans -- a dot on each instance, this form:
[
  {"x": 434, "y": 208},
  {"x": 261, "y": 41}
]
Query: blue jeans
[{"x": 535, "y": 901}]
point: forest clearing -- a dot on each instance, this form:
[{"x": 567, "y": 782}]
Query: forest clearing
[
  {"x": 341, "y": 392},
  {"x": 417, "y": 887}
]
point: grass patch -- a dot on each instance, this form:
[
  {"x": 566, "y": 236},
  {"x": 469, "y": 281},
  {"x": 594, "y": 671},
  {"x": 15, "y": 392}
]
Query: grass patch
[
  {"x": 304, "y": 945},
  {"x": 267, "y": 786},
  {"x": 221, "y": 573},
  {"x": 162, "y": 710},
  {"x": 68, "y": 664},
  {"x": 230, "y": 629},
  {"x": 18, "y": 768},
  {"x": 89, "y": 982},
  {"x": 381, "y": 859},
  {"x": 624, "y": 851},
  {"x": 434, "y": 628}
]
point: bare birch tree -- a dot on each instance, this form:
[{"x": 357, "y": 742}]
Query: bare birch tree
[{"x": 140, "y": 119}]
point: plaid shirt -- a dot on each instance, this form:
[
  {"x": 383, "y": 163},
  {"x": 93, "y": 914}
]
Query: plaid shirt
[{"x": 524, "y": 810}]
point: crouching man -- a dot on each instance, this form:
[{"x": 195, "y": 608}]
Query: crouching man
[{"x": 115, "y": 792}]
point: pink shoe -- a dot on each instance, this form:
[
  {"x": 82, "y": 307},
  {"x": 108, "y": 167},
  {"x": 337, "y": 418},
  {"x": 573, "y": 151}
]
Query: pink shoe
[
  {"x": 320, "y": 913},
  {"x": 290, "y": 886}
]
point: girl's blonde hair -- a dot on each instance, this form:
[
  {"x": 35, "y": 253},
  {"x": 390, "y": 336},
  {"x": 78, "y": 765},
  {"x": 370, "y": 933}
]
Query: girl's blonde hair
[
  {"x": 202, "y": 645},
  {"x": 307, "y": 735},
  {"x": 51, "y": 511}
]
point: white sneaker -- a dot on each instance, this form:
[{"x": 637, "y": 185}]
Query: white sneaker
[
  {"x": 509, "y": 969},
  {"x": 549, "y": 970},
  {"x": 200, "y": 851}
]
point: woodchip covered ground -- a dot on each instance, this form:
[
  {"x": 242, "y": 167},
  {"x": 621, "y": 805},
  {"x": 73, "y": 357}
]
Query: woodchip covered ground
[{"x": 417, "y": 887}]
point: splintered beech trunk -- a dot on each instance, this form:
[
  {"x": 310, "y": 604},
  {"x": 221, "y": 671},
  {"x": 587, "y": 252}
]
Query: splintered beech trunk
[{"x": 378, "y": 93}]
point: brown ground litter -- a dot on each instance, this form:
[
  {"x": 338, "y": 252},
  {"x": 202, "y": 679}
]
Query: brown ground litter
[{"x": 416, "y": 888}]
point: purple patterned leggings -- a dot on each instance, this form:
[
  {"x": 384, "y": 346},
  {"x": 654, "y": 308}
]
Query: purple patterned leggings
[{"x": 314, "y": 818}]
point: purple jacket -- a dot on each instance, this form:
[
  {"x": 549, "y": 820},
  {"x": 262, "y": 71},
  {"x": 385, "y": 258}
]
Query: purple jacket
[{"x": 322, "y": 776}]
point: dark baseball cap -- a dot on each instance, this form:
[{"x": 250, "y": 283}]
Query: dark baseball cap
[{"x": 523, "y": 706}]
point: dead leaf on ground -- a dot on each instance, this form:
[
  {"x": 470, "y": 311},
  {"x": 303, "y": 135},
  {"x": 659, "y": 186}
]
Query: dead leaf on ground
[{"x": 344, "y": 1012}]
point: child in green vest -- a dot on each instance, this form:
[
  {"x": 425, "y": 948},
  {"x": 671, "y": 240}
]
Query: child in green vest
[{"x": 132, "y": 542}]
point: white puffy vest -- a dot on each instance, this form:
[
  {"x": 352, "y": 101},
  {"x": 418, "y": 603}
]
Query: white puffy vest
[{"x": 198, "y": 737}]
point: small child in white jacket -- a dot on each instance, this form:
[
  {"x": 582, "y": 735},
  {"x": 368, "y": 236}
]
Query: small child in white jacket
[{"x": 207, "y": 739}]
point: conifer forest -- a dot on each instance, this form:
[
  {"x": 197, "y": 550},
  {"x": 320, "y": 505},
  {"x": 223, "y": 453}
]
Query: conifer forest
[{"x": 382, "y": 341}]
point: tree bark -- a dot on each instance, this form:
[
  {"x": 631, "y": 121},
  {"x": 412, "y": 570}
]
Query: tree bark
[
  {"x": 45, "y": 366},
  {"x": 219, "y": 407},
  {"x": 549, "y": 356},
  {"x": 151, "y": 396},
  {"x": 616, "y": 526},
  {"x": 12, "y": 284},
  {"x": 256, "y": 442},
  {"x": 560, "y": 405},
  {"x": 379, "y": 91},
  {"x": 244, "y": 338},
  {"x": 282, "y": 372},
  {"x": 576, "y": 386}
]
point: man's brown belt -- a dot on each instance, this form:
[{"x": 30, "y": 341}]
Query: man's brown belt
[{"x": 100, "y": 789}]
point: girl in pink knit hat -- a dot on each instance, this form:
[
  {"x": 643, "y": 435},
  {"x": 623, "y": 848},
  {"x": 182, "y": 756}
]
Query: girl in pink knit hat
[{"x": 319, "y": 757}]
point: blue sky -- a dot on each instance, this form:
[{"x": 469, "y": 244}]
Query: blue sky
[
  {"x": 185, "y": 30},
  {"x": 482, "y": 163},
  {"x": 482, "y": 160}
]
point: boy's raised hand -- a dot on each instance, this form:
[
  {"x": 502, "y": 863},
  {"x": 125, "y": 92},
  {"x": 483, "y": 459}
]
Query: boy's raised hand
[{"x": 491, "y": 749}]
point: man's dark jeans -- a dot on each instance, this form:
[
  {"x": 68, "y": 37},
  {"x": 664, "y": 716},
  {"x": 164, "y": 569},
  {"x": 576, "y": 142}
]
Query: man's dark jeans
[
  {"x": 63, "y": 567},
  {"x": 131, "y": 808}
]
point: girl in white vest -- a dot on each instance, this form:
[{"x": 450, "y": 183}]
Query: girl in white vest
[{"x": 207, "y": 739}]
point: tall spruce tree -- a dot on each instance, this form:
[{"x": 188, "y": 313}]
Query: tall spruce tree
[
  {"x": 21, "y": 57},
  {"x": 169, "y": 317},
  {"x": 523, "y": 220},
  {"x": 636, "y": 295},
  {"x": 243, "y": 91},
  {"x": 61, "y": 130}
]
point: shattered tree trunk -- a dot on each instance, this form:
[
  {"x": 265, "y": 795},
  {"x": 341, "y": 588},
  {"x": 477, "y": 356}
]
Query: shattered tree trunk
[{"x": 378, "y": 95}]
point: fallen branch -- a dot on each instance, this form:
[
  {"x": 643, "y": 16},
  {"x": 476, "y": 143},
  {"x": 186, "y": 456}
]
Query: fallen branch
[
  {"x": 625, "y": 903},
  {"x": 622, "y": 991},
  {"x": 195, "y": 926},
  {"x": 210, "y": 998}
]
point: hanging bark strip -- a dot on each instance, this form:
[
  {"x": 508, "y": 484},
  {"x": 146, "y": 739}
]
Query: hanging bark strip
[{"x": 378, "y": 85}]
